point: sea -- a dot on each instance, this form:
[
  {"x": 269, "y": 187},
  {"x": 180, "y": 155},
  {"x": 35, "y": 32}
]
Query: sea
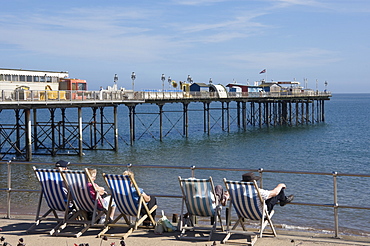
[{"x": 340, "y": 144}]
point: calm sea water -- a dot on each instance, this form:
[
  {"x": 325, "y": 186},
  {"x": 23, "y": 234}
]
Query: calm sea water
[{"x": 340, "y": 144}]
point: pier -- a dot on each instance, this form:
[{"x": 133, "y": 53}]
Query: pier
[{"x": 70, "y": 122}]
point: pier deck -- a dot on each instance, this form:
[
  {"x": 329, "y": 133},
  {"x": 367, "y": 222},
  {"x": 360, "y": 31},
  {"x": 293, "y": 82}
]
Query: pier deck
[{"x": 57, "y": 134}]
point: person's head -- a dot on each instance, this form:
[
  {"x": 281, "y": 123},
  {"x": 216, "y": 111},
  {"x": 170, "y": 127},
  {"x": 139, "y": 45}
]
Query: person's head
[
  {"x": 129, "y": 173},
  {"x": 62, "y": 164},
  {"x": 249, "y": 177},
  {"x": 92, "y": 173}
]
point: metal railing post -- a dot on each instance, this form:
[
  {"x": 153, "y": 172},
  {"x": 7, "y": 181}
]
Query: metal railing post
[
  {"x": 192, "y": 171},
  {"x": 8, "y": 190},
  {"x": 336, "y": 224},
  {"x": 261, "y": 180}
]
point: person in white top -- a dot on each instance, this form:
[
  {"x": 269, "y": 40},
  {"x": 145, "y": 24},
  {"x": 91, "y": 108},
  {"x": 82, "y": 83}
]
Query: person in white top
[{"x": 271, "y": 197}]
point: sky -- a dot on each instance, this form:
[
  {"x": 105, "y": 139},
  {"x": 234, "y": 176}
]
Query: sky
[{"x": 226, "y": 40}]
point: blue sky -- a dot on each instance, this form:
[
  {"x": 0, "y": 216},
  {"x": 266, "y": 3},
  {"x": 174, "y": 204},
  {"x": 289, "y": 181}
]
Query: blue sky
[{"x": 326, "y": 40}]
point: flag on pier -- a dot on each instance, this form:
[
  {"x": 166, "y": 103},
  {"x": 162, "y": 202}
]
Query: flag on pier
[{"x": 263, "y": 71}]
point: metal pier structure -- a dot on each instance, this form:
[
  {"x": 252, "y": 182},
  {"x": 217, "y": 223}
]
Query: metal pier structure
[{"x": 34, "y": 125}]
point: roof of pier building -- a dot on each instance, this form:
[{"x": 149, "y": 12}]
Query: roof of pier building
[{"x": 199, "y": 87}]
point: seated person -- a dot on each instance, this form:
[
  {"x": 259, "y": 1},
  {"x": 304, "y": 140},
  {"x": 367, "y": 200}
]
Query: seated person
[
  {"x": 151, "y": 201},
  {"x": 104, "y": 202},
  {"x": 271, "y": 197}
]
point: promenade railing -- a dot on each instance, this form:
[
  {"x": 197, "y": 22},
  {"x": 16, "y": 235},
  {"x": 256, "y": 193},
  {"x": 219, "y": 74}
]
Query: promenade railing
[
  {"x": 192, "y": 171},
  {"x": 122, "y": 95}
]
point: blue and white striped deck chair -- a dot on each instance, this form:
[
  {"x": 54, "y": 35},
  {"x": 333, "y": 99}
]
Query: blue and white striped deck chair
[
  {"x": 55, "y": 194},
  {"x": 245, "y": 198},
  {"x": 200, "y": 200},
  {"x": 121, "y": 189},
  {"x": 77, "y": 183}
]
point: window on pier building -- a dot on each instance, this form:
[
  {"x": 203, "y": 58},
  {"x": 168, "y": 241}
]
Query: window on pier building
[
  {"x": 22, "y": 78},
  {"x": 1, "y": 77},
  {"x": 15, "y": 78},
  {"x": 35, "y": 78},
  {"x": 8, "y": 77},
  {"x": 29, "y": 78},
  {"x": 48, "y": 79}
]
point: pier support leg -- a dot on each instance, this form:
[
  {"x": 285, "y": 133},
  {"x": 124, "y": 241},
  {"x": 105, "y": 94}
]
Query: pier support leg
[
  {"x": 238, "y": 113},
  {"x": 244, "y": 115},
  {"x": 132, "y": 123},
  {"x": 160, "y": 122},
  {"x": 260, "y": 113},
  {"x": 205, "y": 117},
  {"x": 80, "y": 146},
  {"x": 95, "y": 131},
  {"x": 222, "y": 117},
  {"x": 35, "y": 133},
  {"x": 297, "y": 113},
  {"x": 307, "y": 111},
  {"x": 185, "y": 119},
  {"x": 63, "y": 125},
  {"x": 101, "y": 125},
  {"x": 322, "y": 111},
  {"x": 208, "y": 119},
  {"x": 253, "y": 116},
  {"x": 18, "y": 132},
  {"x": 228, "y": 116},
  {"x": 115, "y": 128},
  {"x": 267, "y": 114},
  {"x": 52, "y": 128},
  {"x": 27, "y": 115}
]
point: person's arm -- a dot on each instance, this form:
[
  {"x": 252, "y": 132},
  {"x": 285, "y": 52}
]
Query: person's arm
[
  {"x": 276, "y": 190},
  {"x": 101, "y": 190},
  {"x": 146, "y": 197}
]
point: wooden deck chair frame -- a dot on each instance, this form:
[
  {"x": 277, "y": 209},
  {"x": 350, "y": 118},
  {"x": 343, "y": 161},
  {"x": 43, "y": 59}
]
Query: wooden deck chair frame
[
  {"x": 55, "y": 195},
  {"x": 198, "y": 207},
  {"x": 77, "y": 183},
  {"x": 120, "y": 188},
  {"x": 247, "y": 208}
]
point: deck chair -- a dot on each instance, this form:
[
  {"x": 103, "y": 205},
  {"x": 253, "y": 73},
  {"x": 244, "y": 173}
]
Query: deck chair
[
  {"x": 199, "y": 197},
  {"x": 245, "y": 197},
  {"x": 55, "y": 194},
  {"x": 121, "y": 190},
  {"x": 88, "y": 213}
]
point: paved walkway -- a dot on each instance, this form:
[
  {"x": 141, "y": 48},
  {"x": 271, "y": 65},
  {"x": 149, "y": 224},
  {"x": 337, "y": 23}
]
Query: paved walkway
[{"x": 14, "y": 229}]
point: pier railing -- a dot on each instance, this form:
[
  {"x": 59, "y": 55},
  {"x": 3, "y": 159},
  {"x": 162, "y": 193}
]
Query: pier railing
[
  {"x": 122, "y": 95},
  {"x": 193, "y": 169}
]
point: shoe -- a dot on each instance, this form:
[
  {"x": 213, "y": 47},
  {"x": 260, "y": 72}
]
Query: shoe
[{"x": 287, "y": 200}]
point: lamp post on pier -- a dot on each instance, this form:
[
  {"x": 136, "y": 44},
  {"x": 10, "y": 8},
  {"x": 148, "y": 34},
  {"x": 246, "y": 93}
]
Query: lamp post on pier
[
  {"x": 133, "y": 77},
  {"x": 115, "y": 80},
  {"x": 169, "y": 81},
  {"x": 326, "y": 85},
  {"x": 163, "y": 78}
]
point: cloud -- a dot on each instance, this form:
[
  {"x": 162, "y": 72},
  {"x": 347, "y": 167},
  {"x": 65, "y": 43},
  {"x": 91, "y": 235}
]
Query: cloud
[{"x": 94, "y": 33}]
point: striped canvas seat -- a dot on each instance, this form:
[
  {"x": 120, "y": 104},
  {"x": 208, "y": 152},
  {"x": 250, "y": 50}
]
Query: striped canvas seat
[
  {"x": 87, "y": 213},
  {"x": 200, "y": 200},
  {"x": 54, "y": 193},
  {"x": 248, "y": 204},
  {"x": 121, "y": 187}
]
